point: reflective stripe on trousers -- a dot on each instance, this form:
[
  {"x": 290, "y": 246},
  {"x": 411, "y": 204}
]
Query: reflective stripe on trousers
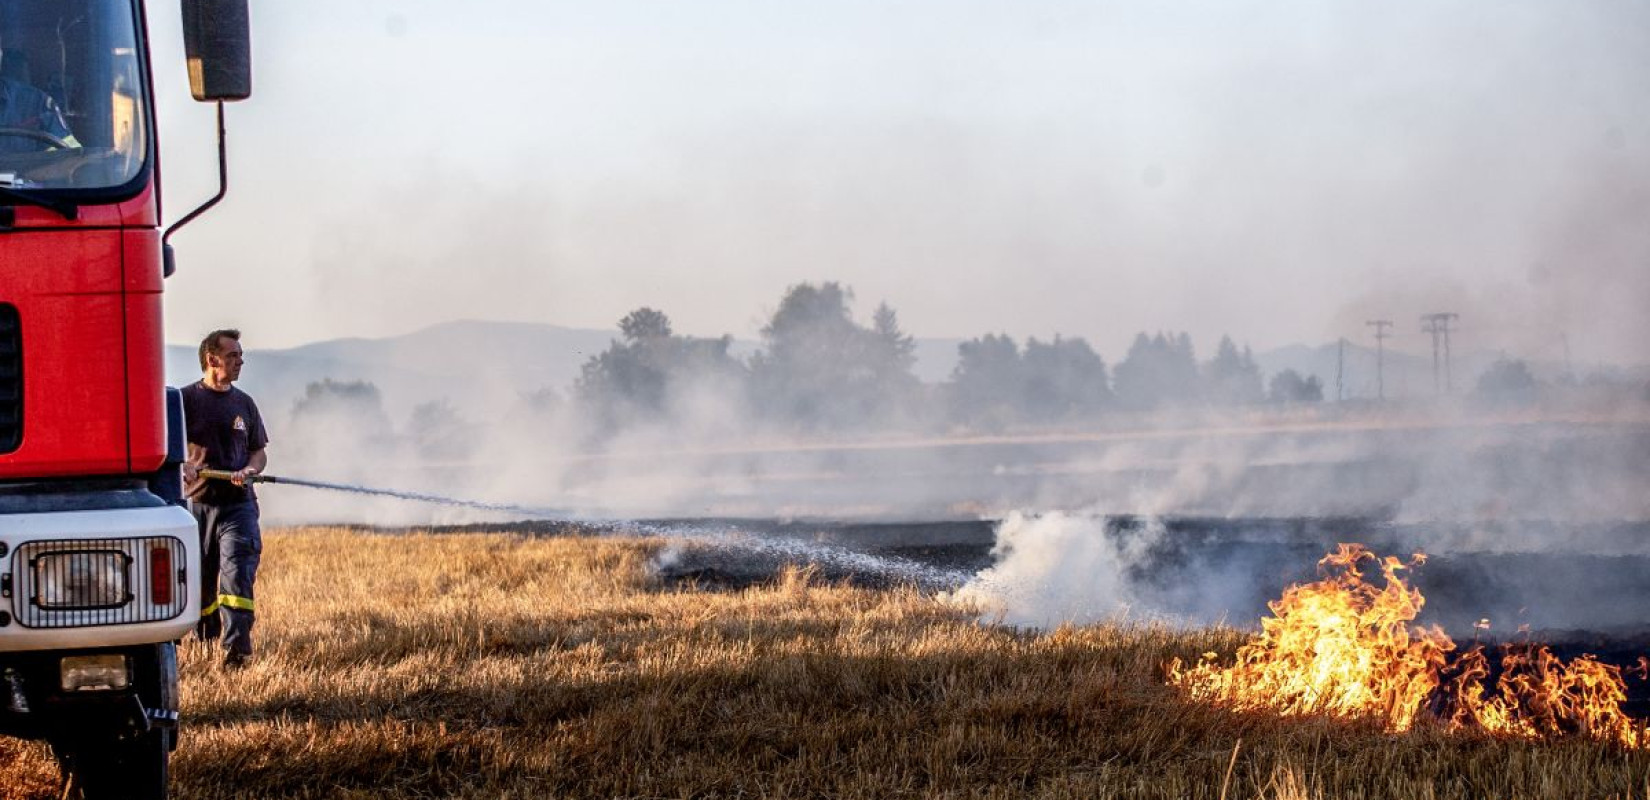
[{"x": 231, "y": 546}]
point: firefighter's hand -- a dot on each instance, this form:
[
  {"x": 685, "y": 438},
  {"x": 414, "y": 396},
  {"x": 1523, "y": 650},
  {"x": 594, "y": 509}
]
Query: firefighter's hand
[{"x": 191, "y": 472}]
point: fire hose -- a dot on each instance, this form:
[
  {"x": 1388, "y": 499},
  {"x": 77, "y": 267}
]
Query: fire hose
[{"x": 538, "y": 513}]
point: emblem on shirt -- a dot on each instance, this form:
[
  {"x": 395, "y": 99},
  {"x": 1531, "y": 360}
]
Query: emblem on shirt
[{"x": 240, "y": 424}]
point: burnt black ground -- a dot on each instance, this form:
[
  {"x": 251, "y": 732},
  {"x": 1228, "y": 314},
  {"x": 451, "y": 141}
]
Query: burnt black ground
[
  {"x": 1559, "y": 589},
  {"x": 1572, "y": 600},
  {"x": 1592, "y": 577}
]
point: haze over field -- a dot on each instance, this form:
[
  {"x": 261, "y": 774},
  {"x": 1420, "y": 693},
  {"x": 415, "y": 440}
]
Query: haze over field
[
  {"x": 1279, "y": 171},
  {"x": 481, "y": 366}
]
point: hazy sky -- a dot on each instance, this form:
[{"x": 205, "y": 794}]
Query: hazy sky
[{"x": 1281, "y": 171}]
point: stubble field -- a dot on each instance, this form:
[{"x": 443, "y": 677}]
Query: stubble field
[{"x": 505, "y": 666}]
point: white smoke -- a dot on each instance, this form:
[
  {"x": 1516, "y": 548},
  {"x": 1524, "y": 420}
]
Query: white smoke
[
  {"x": 668, "y": 556},
  {"x": 1057, "y": 567}
]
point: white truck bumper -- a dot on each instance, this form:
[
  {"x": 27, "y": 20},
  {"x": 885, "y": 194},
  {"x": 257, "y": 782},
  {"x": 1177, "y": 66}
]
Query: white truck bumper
[{"x": 39, "y": 615}]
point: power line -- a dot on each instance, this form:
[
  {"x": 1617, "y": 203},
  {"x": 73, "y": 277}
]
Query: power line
[
  {"x": 1381, "y": 335},
  {"x": 1438, "y": 324},
  {"x": 1569, "y": 366},
  {"x": 1340, "y": 369}
]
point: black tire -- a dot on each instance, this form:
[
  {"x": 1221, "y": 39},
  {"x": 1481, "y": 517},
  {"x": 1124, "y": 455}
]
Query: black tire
[{"x": 133, "y": 768}]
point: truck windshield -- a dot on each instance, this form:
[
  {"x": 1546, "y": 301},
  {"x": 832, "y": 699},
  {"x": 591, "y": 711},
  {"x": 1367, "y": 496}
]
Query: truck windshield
[{"x": 71, "y": 95}]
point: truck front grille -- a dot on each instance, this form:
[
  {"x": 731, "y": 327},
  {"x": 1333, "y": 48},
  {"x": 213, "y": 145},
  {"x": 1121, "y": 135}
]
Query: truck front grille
[
  {"x": 11, "y": 379},
  {"x": 77, "y": 583}
]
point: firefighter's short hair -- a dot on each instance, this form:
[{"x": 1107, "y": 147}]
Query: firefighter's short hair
[{"x": 212, "y": 344}]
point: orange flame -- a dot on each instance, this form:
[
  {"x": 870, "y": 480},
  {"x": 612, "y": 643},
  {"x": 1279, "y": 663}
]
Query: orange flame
[{"x": 1345, "y": 647}]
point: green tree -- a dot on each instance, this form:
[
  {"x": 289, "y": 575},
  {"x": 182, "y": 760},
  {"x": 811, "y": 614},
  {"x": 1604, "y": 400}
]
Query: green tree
[
  {"x": 987, "y": 385},
  {"x": 639, "y": 376},
  {"x": 1232, "y": 378},
  {"x": 1507, "y": 381},
  {"x": 1158, "y": 371},
  {"x": 820, "y": 369},
  {"x": 895, "y": 350},
  {"x": 645, "y": 324},
  {"x": 338, "y": 418},
  {"x": 1289, "y": 388},
  {"x": 1064, "y": 378},
  {"x": 438, "y": 433}
]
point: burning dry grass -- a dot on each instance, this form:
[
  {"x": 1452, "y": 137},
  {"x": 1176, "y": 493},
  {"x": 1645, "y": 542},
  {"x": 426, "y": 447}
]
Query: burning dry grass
[
  {"x": 1345, "y": 646},
  {"x": 495, "y": 666}
]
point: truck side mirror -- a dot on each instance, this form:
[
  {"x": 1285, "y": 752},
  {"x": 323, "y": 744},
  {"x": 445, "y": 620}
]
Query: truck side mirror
[{"x": 217, "y": 40}]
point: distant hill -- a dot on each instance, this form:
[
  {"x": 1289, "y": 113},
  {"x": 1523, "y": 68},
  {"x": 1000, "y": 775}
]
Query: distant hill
[{"x": 452, "y": 361}]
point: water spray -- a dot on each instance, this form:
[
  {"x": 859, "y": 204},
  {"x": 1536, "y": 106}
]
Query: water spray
[
  {"x": 721, "y": 538},
  {"x": 535, "y": 513}
]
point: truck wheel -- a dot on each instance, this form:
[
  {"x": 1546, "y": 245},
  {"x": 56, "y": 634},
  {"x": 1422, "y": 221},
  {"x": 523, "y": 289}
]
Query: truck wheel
[{"x": 134, "y": 768}]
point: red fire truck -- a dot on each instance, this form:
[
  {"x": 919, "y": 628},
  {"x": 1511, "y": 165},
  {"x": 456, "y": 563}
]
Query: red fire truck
[{"x": 99, "y": 561}]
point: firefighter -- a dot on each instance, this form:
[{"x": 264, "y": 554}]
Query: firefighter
[
  {"x": 226, "y": 433},
  {"x": 31, "y": 119}
]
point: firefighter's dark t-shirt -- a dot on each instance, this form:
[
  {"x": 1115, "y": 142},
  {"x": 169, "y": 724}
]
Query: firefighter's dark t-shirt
[{"x": 228, "y": 426}]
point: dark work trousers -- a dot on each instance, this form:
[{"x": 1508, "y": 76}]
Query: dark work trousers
[{"x": 230, "y": 547}]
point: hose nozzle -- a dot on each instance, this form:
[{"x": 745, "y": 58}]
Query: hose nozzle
[{"x": 226, "y": 475}]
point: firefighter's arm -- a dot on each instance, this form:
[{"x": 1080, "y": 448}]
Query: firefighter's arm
[
  {"x": 194, "y": 458},
  {"x": 255, "y": 464}
]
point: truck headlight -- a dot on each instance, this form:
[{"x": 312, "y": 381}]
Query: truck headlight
[
  {"x": 81, "y": 579},
  {"x": 95, "y": 673}
]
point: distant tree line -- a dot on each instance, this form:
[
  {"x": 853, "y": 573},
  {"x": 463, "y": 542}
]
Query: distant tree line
[
  {"x": 641, "y": 373},
  {"x": 819, "y": 368}
]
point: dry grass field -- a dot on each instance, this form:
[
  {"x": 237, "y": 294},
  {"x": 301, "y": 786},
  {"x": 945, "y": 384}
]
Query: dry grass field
[{"x": 501, "y": 666}]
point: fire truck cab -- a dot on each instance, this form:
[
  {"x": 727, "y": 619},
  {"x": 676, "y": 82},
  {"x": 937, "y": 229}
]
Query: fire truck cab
[{"x": 99, "y": 559}]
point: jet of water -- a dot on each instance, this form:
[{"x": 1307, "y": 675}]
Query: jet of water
[
  {"x": 722, "y": 538},
  {"x": 532, "y": 512},
  {"x": 783, "y": 548}
]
